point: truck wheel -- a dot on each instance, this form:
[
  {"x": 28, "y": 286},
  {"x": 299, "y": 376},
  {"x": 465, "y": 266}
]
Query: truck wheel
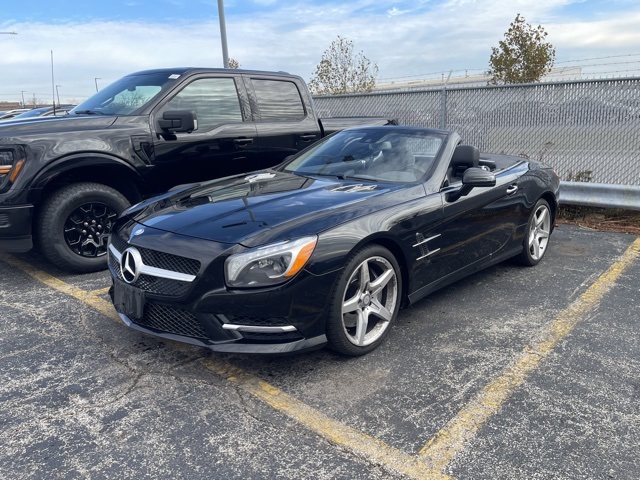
[{"x": 74, "y": 225}]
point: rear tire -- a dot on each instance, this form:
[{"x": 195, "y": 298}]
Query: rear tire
[
  {"x": 536, "y": 239},
  {"x": 74, "y": 225},
  {"x": 365, "y": 301}
]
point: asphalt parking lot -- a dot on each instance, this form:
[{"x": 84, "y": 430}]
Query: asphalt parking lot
[{"x": 512, "y": 373}]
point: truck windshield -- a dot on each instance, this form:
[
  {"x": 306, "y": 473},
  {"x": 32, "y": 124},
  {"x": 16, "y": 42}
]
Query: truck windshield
[{"x": 127, "y": 96}]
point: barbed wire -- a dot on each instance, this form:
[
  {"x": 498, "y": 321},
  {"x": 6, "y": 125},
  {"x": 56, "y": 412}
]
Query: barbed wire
[{"x": 479, "y": 71}]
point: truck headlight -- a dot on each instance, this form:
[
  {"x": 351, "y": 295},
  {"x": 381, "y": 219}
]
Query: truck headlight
[
  {"x": 269, "y": 265},
  {"x": 6, "y": 158},
  {"x": 11, "y": 162}
]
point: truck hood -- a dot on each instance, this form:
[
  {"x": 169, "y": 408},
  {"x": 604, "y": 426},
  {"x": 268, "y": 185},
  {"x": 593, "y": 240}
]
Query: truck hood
[
  {"x": 266, "y": 206},
  {"x": 70, "y": 123}
]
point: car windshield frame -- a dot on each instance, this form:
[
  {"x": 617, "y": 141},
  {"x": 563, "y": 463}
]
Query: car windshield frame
[
  {"x": 372, "y": 154},
  {"x": 128, "y": 96}
]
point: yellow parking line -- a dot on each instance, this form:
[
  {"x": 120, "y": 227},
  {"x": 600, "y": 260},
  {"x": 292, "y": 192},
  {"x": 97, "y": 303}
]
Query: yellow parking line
[
  {"x": 451, "y": 439},
  {"x": 100, "y": 291},
  {"x": 90, "y": 298},
  {"x": 335, "y": 432}
]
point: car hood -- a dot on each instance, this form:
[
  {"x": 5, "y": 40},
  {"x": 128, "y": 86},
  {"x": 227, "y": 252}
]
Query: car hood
[{"x": 253, "y": 209}]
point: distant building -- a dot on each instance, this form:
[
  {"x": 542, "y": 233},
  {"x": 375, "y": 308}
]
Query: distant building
[{"x": 6, "y": 106}]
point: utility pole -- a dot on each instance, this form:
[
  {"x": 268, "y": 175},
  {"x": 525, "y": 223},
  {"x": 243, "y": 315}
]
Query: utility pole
[
  {"x": 96, "y": 80},
  {"x": 223, "y": 34},
  {"x": 23, "y": 104}
]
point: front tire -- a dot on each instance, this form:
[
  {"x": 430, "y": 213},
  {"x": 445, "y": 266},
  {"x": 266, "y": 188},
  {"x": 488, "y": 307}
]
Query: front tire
[
  {"x": 365, "y": 301},
  {"x": 74, "y": 225},
  {"x": 537, "y": 236}
]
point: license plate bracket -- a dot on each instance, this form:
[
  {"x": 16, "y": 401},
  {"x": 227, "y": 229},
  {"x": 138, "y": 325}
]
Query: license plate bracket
[{"x": 128, "y": 300}]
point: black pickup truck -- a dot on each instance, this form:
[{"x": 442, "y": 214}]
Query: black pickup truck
[{"x": 63, "y": 181}]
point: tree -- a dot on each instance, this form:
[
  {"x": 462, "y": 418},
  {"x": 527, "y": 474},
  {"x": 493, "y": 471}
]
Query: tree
[
  {"x": 341, "y": 71},
  {"x": 233, "y": 63},
  {"x": 523, "y": 56}
]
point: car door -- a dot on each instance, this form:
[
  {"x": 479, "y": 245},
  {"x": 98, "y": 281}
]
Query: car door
[
  {"x": 477, "y": 226},
  {"x": 283, "y": 123},
  {"x": 224, "y": 142}
]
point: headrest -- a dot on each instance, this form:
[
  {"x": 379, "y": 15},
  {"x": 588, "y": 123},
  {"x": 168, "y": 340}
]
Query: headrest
[
  {"x": 385, "y": 145},
  {"x": 465, "y": 156}
]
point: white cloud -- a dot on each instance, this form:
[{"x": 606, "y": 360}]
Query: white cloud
[{"x": 396, "y": 11}]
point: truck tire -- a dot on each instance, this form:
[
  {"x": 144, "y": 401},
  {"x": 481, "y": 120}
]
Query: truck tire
[{"x": 74, "y": 224}]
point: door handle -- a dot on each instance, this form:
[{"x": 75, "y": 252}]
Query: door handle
[
  {"x": 242, "y": 141},
  {"x": 512, "y": 189},
  {"x": 308, "y": 137}
]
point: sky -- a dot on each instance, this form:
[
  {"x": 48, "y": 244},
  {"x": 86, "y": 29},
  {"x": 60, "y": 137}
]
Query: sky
[{"x": 95, "y": 42}]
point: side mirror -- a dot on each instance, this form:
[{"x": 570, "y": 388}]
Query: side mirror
[
  {"x": 478, "y": 177},
  {"x": 175, "y": 121},
  {"x": 471, "y": 178}
]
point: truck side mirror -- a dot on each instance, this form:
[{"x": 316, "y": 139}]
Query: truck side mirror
[{"x": 175, "y": 121}]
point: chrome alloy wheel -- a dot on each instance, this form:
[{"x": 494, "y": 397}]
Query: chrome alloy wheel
[
  {"x": 539, "y": 232},
  {"x": 369, "y": 301}
]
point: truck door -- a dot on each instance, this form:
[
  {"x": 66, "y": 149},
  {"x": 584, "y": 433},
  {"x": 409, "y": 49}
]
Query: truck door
[
  {"x": 284, "y": 124},
  {"x": 223, "y": 143}
]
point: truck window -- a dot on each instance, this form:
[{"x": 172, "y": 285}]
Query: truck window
[
  {"x": 128, "y": 95},
  {"x": 215, "y": 101},
  {"x": 278, "y": 100}
]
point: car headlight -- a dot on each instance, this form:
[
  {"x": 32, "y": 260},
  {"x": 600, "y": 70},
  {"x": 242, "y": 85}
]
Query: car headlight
[{"x": 269, "y": 265}]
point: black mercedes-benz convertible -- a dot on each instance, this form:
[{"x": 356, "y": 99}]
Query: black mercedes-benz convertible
[{"x": 326, "y": 247}]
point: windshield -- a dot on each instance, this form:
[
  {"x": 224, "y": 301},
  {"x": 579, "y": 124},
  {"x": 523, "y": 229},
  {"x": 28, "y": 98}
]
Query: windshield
[
  {"x": 376, "y": 154},
  {"x": 32, "y": 113},
  {"x": 126, "y": 96}
]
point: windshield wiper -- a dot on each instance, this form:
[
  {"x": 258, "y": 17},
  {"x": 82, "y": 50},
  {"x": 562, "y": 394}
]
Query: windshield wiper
[
  {"x": 320, "y": 174},
  {"x": 88, "y": 112},
  {"x": 339, "y": 176},
  {"x": 365, "y": 178}
]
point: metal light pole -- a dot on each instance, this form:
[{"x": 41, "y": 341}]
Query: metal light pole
[
  {"x": 53, "y": 83},
  {"x": 223, "y": 34},
  {"x": 96, "y": 80},
  {"x": 23, "y": 104},
  {"x": 58, "y": 94}
]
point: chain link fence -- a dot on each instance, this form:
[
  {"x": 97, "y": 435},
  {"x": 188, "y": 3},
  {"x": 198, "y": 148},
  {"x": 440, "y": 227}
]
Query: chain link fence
[{"x": 587, "y": 130}]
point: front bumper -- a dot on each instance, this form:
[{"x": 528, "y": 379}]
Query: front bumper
[
  {"x": 236, "y": 347},
  {"x": 177, "y": 300},
  {"x": 15, "y": 228}
]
